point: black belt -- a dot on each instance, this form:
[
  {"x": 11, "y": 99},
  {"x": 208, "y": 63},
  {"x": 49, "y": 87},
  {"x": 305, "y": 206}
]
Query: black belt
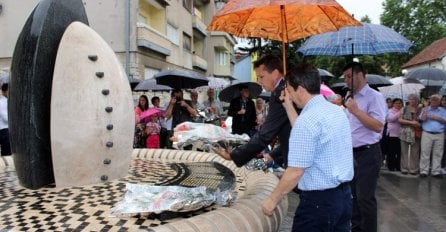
[
  {"x": 434, "y": 133},
  {"x": 364, "y": 147},
  {"x": 340, "y": 186}
]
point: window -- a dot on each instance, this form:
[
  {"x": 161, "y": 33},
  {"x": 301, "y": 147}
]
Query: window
[
  {"x": 172, "y": 34},
  {"x": 222, "y": 58},
  {"x": 149, "y": 72},
  {"x": 187, "y": 42},
  {"x": 153, "y": 15}
]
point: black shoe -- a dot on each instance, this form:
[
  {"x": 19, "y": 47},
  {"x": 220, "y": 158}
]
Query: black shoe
[
  {"x": 404, "y": 173},
  {"x": 413, "y": 173},
  {"x": 439, "y": 176},
  {"x": 423, "y": 175}
]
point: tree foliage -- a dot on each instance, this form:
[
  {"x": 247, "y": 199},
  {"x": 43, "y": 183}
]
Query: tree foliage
[{"x": 420, "y": 21}]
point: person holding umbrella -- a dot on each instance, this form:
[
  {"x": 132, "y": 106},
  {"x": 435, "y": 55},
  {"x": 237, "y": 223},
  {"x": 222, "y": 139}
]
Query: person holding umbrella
[
  {"x": 366, "y": 111},
  {"x": 269, "y": 70},
  {"x": 243, "y": 113}
]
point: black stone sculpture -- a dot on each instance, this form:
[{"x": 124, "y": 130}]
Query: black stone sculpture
[{"x": 30, "y": 88}]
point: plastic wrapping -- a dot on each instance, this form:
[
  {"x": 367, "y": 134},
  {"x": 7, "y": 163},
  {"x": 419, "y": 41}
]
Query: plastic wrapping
[
  {"x": 204, "y": 136},
  {"x": 142, "y": 199}
]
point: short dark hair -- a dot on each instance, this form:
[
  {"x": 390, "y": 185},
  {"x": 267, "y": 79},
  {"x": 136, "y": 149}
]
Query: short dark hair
[
  {"x": 355, "y": 66},
  {"x": 270, "y": 62},
  {"x": 154, "y": 99},
  {"x": 305, "y": 75},
  {"x": 176, "y": 90},
  {"x": 5, "y": 87}
]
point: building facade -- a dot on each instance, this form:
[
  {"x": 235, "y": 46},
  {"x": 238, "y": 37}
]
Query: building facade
[{"x": 147, "y": 35}]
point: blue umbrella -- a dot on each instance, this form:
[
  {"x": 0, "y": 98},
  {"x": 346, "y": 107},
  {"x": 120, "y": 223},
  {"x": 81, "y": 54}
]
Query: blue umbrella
[{"x": 369, "y": 39}]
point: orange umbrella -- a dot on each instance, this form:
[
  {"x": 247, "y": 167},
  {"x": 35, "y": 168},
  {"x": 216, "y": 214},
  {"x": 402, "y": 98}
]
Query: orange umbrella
[{"x": 281, "y": 20}]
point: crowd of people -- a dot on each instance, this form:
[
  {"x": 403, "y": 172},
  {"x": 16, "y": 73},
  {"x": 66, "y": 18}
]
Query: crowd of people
[
  {"x": 154, "y": 129},
  {"x": 332, "y": 152},
  {"x": 413, "y": 141}
]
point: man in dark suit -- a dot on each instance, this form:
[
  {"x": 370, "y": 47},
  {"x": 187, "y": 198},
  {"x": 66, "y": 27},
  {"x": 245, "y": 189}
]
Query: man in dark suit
[{"x": 269, "y": 71}]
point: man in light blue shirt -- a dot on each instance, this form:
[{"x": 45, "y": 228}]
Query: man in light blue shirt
[
  {"x": 433, "y": 119},
  {"x": 320, "y": 158}
]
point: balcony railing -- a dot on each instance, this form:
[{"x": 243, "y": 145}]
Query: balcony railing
[
  {"x": 199, "y": 62},
  {"x": 199, "y": 25},
  {"x": 153, "y": 40}
]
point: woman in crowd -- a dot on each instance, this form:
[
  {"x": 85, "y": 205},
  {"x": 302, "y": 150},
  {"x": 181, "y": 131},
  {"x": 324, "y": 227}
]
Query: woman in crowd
[
  {"x": 143, "y": 105},
  {"x": 393, "y": 131},
  {"x": 139, "y": 140},
  {"x": 153, "y": 130},
  {"x": 410, "y": 135}
]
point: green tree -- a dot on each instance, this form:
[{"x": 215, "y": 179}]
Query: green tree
[{"x": 420, "y": 21}]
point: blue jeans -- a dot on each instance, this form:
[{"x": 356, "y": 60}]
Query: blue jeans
[{"x": 325, "y": 210}]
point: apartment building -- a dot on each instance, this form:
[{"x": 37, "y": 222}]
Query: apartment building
[{"x": 147, "y": 35}]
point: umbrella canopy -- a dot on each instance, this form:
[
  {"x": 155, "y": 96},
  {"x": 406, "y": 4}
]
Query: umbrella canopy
[
  {"x": 214, "y": 83},
  {"x": 233, "y": 91},
  {"x": 4, "y": 77},
  {"x": 373, "y": 80},
  {"x": 280, "y": 20},
  {"x": 442, "y": 90},
  {"x": 325, "y": 75},
  {"x": 150, "y": 85},
  {"x": 369, "y": 39},
  {"x": 401, "y": 90},
  {"x": 134, "y": 82},
  {"x": 437, "y": 76},
  {"x": 180, "y": 79},
  {"x": 146, "y": 115},
  {"x": 377, "y": 80},
  {"x": 403, "y": 80}
]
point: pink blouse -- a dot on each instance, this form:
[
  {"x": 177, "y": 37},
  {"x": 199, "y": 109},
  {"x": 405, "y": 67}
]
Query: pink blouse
[{"x": 393, "y": 125}]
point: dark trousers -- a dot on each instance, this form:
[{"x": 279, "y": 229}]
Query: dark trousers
[
  {"x": 366, "y": 164},
  {"x": 393, "y": 158},
  {"x": 326, "y": 210},
  {"x": 5, "y": 146}
]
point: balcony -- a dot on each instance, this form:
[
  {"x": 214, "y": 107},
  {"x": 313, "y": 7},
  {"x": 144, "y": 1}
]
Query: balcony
[
  {"x": 198, "y": 25},
  {"x": 222, "y": 40},
  {"x": 151, "y": 39},
  {"x": 198, "y": 62}
]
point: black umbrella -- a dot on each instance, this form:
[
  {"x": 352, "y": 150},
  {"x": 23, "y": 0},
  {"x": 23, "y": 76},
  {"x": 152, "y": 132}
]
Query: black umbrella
[
  {"x": 133, "y": 82},
  {"x": 150, "y": 85},
  {"x": 180, "y": 79},
  {"x": 428, "y": 76},
  {"x": 325, "y": 75},
  {"x": 375, "y": 80},
  {"x": 233, "y": 91}
]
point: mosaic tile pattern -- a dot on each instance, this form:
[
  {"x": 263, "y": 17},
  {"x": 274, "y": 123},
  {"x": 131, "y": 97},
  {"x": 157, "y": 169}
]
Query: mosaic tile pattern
[{"x": 83, "y": 208}]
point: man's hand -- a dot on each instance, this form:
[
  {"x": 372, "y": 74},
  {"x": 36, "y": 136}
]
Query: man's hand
[
  {"x": 223, "y": 153},
  {"x": 268, "y": 206},
  {"x": 352, "y": 106}
]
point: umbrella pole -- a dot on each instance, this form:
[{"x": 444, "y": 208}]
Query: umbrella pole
[
  {"x": 283, "y": 58},
  {"x": 353, "y": 88},
  {"x": 282, "y": 13}
]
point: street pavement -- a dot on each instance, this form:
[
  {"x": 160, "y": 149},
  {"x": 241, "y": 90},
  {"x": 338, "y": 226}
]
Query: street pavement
[{"x": 406, "y": 203}]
